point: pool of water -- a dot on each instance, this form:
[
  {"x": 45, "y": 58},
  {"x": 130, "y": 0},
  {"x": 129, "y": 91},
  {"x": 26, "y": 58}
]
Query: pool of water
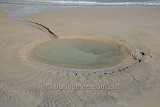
[{"x": 78, "y": 53}]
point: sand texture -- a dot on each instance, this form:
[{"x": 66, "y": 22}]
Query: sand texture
[{"x": 25, "y": 82}]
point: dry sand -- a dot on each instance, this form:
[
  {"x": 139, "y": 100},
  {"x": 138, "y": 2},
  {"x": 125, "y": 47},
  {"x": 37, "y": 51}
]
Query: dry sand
[{"x": 30, "y": 85}]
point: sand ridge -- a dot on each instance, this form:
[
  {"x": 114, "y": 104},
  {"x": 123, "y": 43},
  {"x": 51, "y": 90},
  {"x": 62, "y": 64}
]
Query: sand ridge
[{"x": 129, "y": 60}]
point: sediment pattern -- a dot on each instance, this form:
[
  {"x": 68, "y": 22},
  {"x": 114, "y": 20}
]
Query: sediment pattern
[
  {"x": 34, "y": 85},
  {"x": 50, "y": 87},
  {"x": 58, "y": 87}
]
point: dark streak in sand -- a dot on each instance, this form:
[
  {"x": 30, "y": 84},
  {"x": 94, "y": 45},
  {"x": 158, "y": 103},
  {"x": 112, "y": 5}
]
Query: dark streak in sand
[{"x": 44, "y": 27}]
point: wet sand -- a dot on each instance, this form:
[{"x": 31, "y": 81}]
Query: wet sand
[{"x": 32, "y": 85}]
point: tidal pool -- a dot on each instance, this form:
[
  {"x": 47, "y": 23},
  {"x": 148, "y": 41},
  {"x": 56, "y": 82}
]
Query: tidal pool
[{"x": 78, "y": 53}]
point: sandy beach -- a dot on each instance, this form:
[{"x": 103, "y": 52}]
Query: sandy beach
[{"x": 24, "y": 83}]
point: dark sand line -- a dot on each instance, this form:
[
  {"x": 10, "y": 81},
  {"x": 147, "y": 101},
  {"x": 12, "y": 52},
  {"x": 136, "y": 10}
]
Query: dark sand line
[{"x": 53, "y": 35}]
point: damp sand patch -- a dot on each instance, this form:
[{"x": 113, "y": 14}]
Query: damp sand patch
[{"x": 85, "y": 54}]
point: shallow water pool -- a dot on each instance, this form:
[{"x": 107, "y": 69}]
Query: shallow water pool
[{"x": 78, "y": 53}]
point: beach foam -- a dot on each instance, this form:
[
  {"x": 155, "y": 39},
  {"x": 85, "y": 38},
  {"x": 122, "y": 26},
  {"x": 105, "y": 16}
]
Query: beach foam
[{"x": 100, "y": 3}]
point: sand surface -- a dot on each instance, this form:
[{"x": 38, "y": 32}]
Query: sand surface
[{"x": 33, "y": 85}]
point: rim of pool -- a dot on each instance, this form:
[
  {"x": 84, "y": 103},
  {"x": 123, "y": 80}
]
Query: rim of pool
[{"x": 90, "y": 54}]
